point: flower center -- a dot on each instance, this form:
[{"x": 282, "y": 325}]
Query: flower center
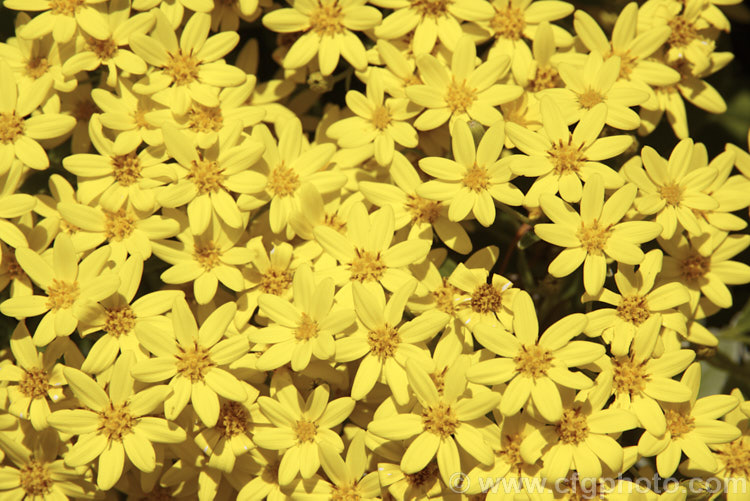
[
  {"x": 566, "y": 157},
  {"x": 533, "y": 361},
  {"x": 104, "y": 49},
  {"x": 119, "y": 321},
  {"x": 126, "y": 168},
  {"x": 486, "y": 298},
  {"x": 346, "y": 492},
  {"x": 208, "y": 255},
  {"x": 633, "y": 309},
  {"x": 546, "y": 77},
  {"x": 694, "y": 266},
  {"x": 119, "y": 224},
  {"x": 367, "y": 266},
  {"x": 683, "y": 32},
  {"x": 572, "y": 428},
  {"x": 11, "y": 126},
  {"x": 381, "y": 117},
  {"x": 65, "y": 7},
  {"x": 182, "y": 67},
  {"x": 37, "y": 67},
  {"x": 233, "y": 419},
  {"x": 440, "y": 419},
  {"x": 34, "y": 383},
  {"x": 476, "y": 179},
  {"x": 629, "y": 376},
  {"x": 206, "y": 175},
  {"x": 508, "y": 23},
  {"x": 326, "y": 19},
  {"x": 305, "y": 431},
  {"x": 139, "y": 117},
  {"x": 193, "y": 362},
  {"x": 383, "y": 342},
  {"x": 61, "y": 294},
  {"x": 511, "y": 452},
  {"x": 283, "y": 181},
  {"x": 35, "y": 478},
  {"x": 307, "y": 329},
  {"x": 204, "y": 119},
  {"x": 590, "y": 98},
  {"x": 445, "y": 297},
  {"x": 275, "y": 281},
  {"x": 116, "y": 421},
  {"x": 439, "y": 379},
  {"x": 431, "y": 8},
  {"x": 459, "y": 97},
  {"x": 423, "y": 476},
  {"x": 422, "y": 210},
  {"x": 593, "y": 237},
  {"x": 671, "y": 193},
  {"x": 736, "y": 458},
  {"x": 678, "y": 423}
]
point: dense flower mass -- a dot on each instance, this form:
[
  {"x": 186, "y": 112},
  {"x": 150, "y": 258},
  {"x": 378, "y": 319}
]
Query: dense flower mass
[{"x": 361, "y": 250}]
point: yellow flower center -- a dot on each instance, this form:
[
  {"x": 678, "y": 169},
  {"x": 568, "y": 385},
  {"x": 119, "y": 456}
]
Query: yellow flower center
[
  {"x": 546, "y": 77},
  {"x": 383, "y": 342},
  {"x": 431, "y": 8},
  {"x": 425, "y": 475},
  {"x": 35, "y": 478},
  {"x": 346, "y": 492},
  {"x": 367, "y": 266},
  {"x": 422, "y": 210},
  {"x": 486, "y": 299},
  {"x": 671, "y": 193},
  {"x": 305, "y": 431},
  {"x": 275, "y": 281},
  {"x": 307, "y": 329},
  {"x": 65, "y": 7},
  {"x": 34, "y": 383},
  {"x": 139, "y": 116},
  {"x": 683, "y": 32},
  {"x": 627, "y": 62},
  {"x": 593, "y": 237},
  {"x": 736, "y": 458},
  {"x": 119, "y": 321},
  {"x": 459, "y": 96},
  {"x": 590, "y": 98},
  {"x": 445, "y": 297},
  {"x": 283, "y": 181},
  {"x": 119, "y": 224},
  {"x": 11, "y": 126},
  {"x": 116, "y": 421},
  {"x": 126, "y": 169},
  {"x": 476, "y": 179},
  {"x": 629, "y": 376},
  {"x": 193, "y": 363},
  {"x": 439, "y": 379},
  {"x": 679, "y": 423},
  {"x": 204, "y": 119},
  {"x": 511, "y": 452},
  {"x": 508, "y": 23},
  {"x": 12, "y": 268},
  {"x": 207, "y": 254},
  {"x": 533, "y": 361},
  {"x": 381, "y": 117},
  {"x": 566, "y": 157},
  {"x": 694, "y": 267},
  {"x": 440, "y": 419},
  {"x": 206, "y": 175},
  {"x": 233, "y": 419},
  {"x": 37, "y": 67},
  {"x": 326, "y": 19},
  {"x": 61, "y": 294},
  {"x": 182, "y": 67},
  {"x": 633, "y": 309},
  {"x": 104, "y": 49},
  {"x": 572, "y": 428}
]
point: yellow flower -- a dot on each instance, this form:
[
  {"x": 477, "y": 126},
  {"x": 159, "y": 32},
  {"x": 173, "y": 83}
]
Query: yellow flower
[
  {"x": 326, "y": 27},
  {"x": 12, "y": 205},
  {"x": 400, "y": 71},
  {"x": 61, "y": 18},
  {"x": 477, "y": 301},
  {"x": 424, "y": 484}
]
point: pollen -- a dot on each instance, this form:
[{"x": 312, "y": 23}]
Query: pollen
[
  {"x": 679, "y": 423},
  {"x": 566, "y": 157},
  {"x": 126, "y": 168},
  {"x": 736, "y": 458},
  {"x": 476, "y": 179},
  {"x": 104, "y": 49},
  {"x": 440, "y": 419},
  {"x": 445, "y": 297},
  {"x": 233, "y": 419},
  {"x": 283, "y": 181},
  {"x": 572, "y": 428},
  {"x": 34, "y": 383},
  {"x": 61, "y": 294},
  {"x": 629, "y": 376},
  {"x": 367, "y": 266},
  {"x": 459, "y": 96},
  {"x": 326, "y": 19},
  {"x": 486, "y": 299},
  {"x": 383, "y": 342},
  {"x": 305, "y": 431},
  {"x": 119, "y": 321},
  {"x": 307, "y": 329},
  {"x": 207, "y": 254},
  {"x": 381, "y": 117},
  {"x": 346, "y": 492},
  {"x": 593, "y": 237},
  {"x": 65, "y": 7},
  {"x": 511, "y": 452},
  {"x": 422, "y": 210},
  {"x": 204, "y": 119},
  {"x": 35, "y": 479},
  {"x": 694, "y": 267},
  {"x": 683, "y": 32},
  {"x": 431, "y": 8},
  {"x": 633, "y": 309},
  {"x": 275, "y": 281},
  {"x": 11, "y": 126},
  {"x": 671, "y": 193},
  {"x": 182, "y": 67},
  {"x": 590, "y": 98},
  {"x": 508, "y": 23},
  {"x": 533, "y": 361},
  {"x": 546, "y": 77},
  {"x": 37, "y": 67},
  {"x": 119, "y": 224},
  {"x": 427, "y": 474},
  {"x": 193, "y": 363},
  {"x": 206, "y": 175},
  {"x": 116, "y": 421}
]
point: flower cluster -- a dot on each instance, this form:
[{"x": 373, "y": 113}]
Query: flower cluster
[{"x": 228, "y": 286}]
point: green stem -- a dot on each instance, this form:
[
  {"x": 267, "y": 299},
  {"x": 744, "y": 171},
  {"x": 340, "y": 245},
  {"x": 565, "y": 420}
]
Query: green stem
[{"x": 515, "y": 214}]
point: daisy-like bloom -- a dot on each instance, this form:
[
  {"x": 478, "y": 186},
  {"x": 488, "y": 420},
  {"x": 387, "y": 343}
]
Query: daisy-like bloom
[
  {"x": 727, "y": 189},
  {"x": 38, "y": 377},
  {"x": 301, "y": 428},
  {"x": 400, "y": 71},
  {"x": 537, "y": 70},
  {"x": 430, "y": 21},
  {"x": 82, "y": 107},
  {"x": 207, "y": 179},
  {"x": 95, "y": 50},
  {"x": 561, "y": 159},
  {"x": 188, "y": 70},
  {"x": 67, "y": 288},
  {"x": 61, "y": 18},
  {"x": 475, "y": 178},
  {"x": 477, "y": 301},
  {"x": 326, "y": 31},
  {"x": 380, "y": 121},
  {"x": 534, "y": 365},
  {"x": 598, "y": 82},
  {"x": 12, "y": 274},
  {"x": 639, "y": 307},
  {"x": 385, "y": 342},
  {"x": 580, "y": 439},
  {"x": 691, "y": 427},
  {"x": 20, "y": 133},
  {"x": 192, "y": 359},
  {"x": 366, "y": 254},
  {"x": 12, "y": 205},
  {"x": 439, "y": 423},
  {"x": 595, "y": 234},
  {"x": 704, "y": 265},
  {"x": 465, "y": 91},
  {"x": 304, "y": 329},
  {"x": 225, "y": 16},
  {"x": 114, "y": 424}
]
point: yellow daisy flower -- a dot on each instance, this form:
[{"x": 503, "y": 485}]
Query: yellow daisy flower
[
  {"x": 537, "y": 70},
  {"x": 424, "y": 484},
  {"x": 400, "y": 71},
  {"x": 477, "y": 301},
  {"x": 62, "y": 19},
  {"x": 13, "y": 205},
  {"x": 727, "y": 189},
  {"x": 82, "y": 107}
]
